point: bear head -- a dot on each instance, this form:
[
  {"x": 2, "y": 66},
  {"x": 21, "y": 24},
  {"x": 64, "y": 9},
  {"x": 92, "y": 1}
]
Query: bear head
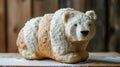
[{"x": 79, "y": 26}]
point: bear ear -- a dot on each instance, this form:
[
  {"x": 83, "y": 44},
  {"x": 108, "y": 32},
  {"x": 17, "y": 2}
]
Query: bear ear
[
  {"x": 67, "y": 16},
  {"x": 92, "y": 14}
]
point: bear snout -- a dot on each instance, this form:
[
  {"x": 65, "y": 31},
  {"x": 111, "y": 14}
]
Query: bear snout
[{"x": 84, "y": 33}]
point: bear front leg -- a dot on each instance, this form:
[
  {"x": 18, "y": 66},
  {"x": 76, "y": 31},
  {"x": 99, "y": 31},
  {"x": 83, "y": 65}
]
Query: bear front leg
[
  {"x": 73, "y": 57},
  {"x": 69, "y": 58},
  {"x": 84, "y": 55}
]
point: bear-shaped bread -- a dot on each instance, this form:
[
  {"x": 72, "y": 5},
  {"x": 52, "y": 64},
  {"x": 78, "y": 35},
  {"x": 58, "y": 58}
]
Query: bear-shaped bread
[{"x": 62, "y": 36}]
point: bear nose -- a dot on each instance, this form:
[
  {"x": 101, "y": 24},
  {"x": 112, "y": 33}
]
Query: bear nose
[{"x": 85, "y": 33}]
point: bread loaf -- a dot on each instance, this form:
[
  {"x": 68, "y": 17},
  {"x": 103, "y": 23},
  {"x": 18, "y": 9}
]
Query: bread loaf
[{"x": 62, "y": 36}]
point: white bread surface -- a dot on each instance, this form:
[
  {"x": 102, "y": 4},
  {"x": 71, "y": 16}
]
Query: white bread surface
[
  {"x": 62, "y": 36},
  {"x": 31, "y": 36}
]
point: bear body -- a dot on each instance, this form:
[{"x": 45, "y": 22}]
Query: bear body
[{"x": 62, "y": 36}]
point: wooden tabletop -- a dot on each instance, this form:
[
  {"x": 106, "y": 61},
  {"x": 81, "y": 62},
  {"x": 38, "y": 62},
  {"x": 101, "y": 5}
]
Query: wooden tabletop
[{"x": 95, "y": 59}]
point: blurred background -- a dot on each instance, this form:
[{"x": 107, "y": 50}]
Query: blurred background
[{"x": 14, "y": 14}]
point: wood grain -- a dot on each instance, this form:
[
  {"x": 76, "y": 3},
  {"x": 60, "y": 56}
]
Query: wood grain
[
  {"x": 94, "y": 60},
  {"x": 19, "y": 11},
  {"x": 41, "y": 7},
  {"x": 79, "y": 5},
  {"x": 114, "y": 28},
  {"x": 2, "y": 26},
  {"x": 65, "y": 3}
]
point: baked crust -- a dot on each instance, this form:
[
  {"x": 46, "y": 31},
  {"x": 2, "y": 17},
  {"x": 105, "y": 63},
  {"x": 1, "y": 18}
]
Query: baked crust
[
  {"x": 52, "y": 38},
  {"x": 22, "y": 45},
  {"x": 44, "y": 42}
]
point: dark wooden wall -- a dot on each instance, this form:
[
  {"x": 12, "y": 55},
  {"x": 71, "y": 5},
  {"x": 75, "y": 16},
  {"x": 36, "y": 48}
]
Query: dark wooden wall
[{"x": 14, "y": 13}]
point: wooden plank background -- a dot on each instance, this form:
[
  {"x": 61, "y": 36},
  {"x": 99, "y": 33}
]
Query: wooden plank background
[
  {"x": 14, "y": 14},
  {"x": 114, "y": 25},
  {"x": 19, "y": 11},
  {"x": 2, "y": 26},
  {"x": 40, "y": 7}
]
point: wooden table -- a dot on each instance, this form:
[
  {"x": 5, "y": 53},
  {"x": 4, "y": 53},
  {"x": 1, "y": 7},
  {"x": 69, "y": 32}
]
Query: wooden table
[{"x": 95, "y": 59}]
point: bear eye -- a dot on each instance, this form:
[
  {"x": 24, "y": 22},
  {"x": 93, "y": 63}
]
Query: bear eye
[
  {"x": 75, "y": 25},
  {"x": 89, "y": 24}
]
